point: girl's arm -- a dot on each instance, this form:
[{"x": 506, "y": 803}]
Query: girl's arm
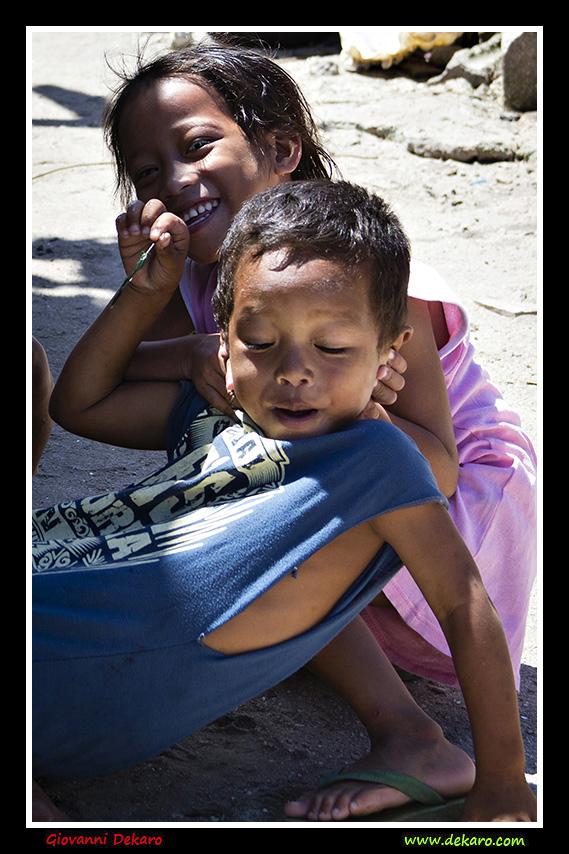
[
  {"x": 429, "y": 545},
  {"x": 193, "y": 357},
  {"x": 169, "y": 350},
  {"x": 173, "y": 322},
  {"x": 422, "y": 409},
  {"x": 92, "y": 396}
]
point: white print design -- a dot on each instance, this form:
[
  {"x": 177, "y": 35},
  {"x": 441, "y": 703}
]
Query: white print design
[{"x": 190, "y": 500}]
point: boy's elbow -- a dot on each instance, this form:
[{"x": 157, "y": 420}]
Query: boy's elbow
[
  {"x": 449, "y": 482},
  {"x": 447, "y": 472}
]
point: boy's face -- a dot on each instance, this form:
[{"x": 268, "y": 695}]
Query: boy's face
[{"x": 302, "y": 344}]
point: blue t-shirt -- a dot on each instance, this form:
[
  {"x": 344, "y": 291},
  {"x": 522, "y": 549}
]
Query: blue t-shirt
[{"x": 126, "y": 584}]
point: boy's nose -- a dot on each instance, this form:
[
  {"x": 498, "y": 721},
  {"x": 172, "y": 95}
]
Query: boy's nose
[{"x": 294, "y": 370}]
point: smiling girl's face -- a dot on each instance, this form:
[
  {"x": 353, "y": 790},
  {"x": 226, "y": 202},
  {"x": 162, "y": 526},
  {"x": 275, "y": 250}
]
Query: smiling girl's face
[{"x": 183, "y": 147}]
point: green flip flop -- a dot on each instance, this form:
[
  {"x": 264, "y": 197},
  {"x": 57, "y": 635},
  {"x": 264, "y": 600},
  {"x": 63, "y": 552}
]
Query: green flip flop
[{"x": 427, "y": 805}]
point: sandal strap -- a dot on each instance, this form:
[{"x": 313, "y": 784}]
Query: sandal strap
[{"x": 411, "y": 787}]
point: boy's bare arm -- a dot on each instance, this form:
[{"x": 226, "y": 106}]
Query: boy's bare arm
[
  {"x": 92, "y": 397},
  {"x": 432, "y": 549}
]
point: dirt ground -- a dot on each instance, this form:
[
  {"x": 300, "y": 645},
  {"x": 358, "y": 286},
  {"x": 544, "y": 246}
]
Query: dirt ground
[{"x": 476, "y": 222}]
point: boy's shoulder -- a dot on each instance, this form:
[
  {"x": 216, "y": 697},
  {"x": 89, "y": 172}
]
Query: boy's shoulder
[{"x": 384, "y": 458}]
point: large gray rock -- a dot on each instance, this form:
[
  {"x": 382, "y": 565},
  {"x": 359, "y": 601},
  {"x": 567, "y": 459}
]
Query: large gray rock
[{"x": 519, "y": 70}]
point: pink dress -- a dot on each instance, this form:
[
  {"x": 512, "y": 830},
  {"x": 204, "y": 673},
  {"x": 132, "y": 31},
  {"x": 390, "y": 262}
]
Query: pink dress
[
  {"x": 494, "y": 506},
  {"x": 197, "y": 286}
]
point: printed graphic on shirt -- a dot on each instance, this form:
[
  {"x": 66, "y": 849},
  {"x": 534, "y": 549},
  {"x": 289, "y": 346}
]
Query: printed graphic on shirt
[{"x": 190, "y": 500}]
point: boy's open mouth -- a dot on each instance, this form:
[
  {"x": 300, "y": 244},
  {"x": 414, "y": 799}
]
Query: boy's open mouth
[{"x": 294, "y": 414}]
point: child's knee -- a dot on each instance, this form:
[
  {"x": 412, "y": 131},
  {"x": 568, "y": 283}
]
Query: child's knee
[
  {"x": 41, "y": 374},
  {"x": 42, "y": 385}
]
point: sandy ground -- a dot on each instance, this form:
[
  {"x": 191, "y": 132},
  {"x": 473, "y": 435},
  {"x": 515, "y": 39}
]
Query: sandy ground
[{"x": 475, "y": 222}]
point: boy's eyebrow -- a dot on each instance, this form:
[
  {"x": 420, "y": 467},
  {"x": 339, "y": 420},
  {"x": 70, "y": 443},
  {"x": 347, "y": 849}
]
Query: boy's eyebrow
[{"x": 351, "y": 317}]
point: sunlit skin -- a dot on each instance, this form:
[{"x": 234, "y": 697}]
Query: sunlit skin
[{"x": 302, "y": 346}]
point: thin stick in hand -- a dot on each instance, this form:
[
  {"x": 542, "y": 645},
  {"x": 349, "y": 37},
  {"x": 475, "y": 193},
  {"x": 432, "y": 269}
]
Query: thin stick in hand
[{"x": 138, "y": 266}]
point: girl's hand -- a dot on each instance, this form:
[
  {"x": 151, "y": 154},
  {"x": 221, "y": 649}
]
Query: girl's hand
[
  {"x": 389, "y": 382},
  {"x": 133, "y": 234},
  {"x": 373, "y": 411},
  {"x": 206, "y": 368},
  {"x": 143, "y": 224},
  {"x": 390, "y": 379}
]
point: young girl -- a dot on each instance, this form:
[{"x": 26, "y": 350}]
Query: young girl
[
  {"x": 244, "y": 127},
  {"x": 196, "y": 133}
]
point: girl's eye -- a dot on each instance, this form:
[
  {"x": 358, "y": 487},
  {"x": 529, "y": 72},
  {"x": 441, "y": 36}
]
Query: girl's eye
[
  {"x": 145, "y": 173},
  {"x": 197, "y": 144}
]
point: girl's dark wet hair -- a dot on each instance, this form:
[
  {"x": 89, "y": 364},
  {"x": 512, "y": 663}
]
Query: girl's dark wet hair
[
  {"x": 333, "y": 220},
  {"x": 259, "y": 94}
]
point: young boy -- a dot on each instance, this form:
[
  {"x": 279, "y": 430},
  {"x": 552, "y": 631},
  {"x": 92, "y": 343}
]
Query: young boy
[{"x": 312, "y": 294}]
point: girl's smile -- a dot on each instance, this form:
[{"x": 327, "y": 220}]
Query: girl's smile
[
  {"x": 199, "y": 213},
  {"x": 183, "y": 147}
]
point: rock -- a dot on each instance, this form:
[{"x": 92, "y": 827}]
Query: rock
[
  {"x": 320, "y": 65},
  {"x": 519, "y": 69},
  {"x": 386, "y": 46},
  {"x": 482, "y": 152},
  {"x": 478, "y": 64}
]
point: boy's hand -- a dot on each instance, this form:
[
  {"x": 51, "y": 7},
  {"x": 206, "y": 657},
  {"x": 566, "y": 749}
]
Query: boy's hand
[{"x": 143, "y": 224}]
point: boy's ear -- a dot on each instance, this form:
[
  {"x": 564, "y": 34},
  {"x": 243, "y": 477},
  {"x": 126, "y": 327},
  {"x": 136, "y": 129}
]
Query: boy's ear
[
  {"x": 223, "y": 355},
  {"x": 223, "y": 351},
  {"x": 402, "y": 338},
  {"x": 286, "y": 151}
]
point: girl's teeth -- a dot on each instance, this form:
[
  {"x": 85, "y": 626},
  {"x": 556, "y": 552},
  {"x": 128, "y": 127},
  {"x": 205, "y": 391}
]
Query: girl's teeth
[{"x": 199, "y": 210}]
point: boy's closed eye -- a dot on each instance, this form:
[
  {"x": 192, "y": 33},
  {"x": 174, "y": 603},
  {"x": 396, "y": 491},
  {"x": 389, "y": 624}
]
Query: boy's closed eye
[
  {"x": 250, "y": 345},
  {"x": 332, "y": 350}
]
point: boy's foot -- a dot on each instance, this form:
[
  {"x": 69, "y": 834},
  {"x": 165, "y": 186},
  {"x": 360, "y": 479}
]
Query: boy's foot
[{"x": 441, "y": 765}]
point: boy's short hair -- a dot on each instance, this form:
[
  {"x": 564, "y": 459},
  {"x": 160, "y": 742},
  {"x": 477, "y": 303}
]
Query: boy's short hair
[{"x": 333, "y": 220}]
